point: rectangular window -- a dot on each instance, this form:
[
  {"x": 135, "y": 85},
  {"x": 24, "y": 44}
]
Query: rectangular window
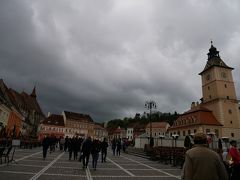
[
  {"x": 184, "y": 133},
  {"x": 195, "y": 130},
  {"x": 230, "y": 111},
  {"x": 227, "y": 97},
  {"x": 189, "y": 132},
  {"x": 225, "y": 85},
  {"x": 207, "y": 130}
]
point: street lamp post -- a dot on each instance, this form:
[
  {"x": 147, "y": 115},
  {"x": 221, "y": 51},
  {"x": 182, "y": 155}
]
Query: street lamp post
[
  {"x": 150, "y": 105},
  {"x": 175, "y": 137}
]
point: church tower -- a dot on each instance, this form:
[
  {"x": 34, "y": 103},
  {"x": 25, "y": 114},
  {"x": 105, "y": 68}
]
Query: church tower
[{"x": 219, "y": 94}]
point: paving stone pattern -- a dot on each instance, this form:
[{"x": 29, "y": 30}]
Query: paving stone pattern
[{"x": 30, "y": 165}]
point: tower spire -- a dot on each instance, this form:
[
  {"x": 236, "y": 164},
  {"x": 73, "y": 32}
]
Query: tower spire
[
  {"x": 213, "y": 52},
  {"x": 33, "y": 94}
]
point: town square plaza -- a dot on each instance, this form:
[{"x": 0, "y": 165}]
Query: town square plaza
[{"x": 29, "y": 164}]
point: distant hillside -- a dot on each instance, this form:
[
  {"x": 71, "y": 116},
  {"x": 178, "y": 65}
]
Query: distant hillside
[{"x": 144, "y": 119}]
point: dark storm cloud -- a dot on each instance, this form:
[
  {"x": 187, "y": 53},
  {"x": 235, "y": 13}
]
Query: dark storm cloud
[{"x": 106, "y": 58}]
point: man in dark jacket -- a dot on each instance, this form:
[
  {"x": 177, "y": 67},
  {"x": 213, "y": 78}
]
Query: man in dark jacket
[
  {"x": 104, "y": 146},
  {"x": 95, "y": 152},
  {"x": 86, "y": 150},
  {"x": 45, "y": 144},
  {"x": 201, "y": 163}
]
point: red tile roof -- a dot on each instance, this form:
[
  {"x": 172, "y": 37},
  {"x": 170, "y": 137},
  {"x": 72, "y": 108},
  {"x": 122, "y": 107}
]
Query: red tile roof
[
  {"x": 31, "y": 102},
  {"x": 158, "y": 125},
  {"x": 54, "y": 119},
  {"x": 196, "y": 116},
  {"x": 98, "y": 126},
  {"x": 16, "y": 99},
  {"x": 78, "y": 116},
  {"x": 27, "y": 101}
]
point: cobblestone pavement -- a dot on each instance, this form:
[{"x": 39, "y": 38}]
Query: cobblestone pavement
[{"x": 30, "y": 165}]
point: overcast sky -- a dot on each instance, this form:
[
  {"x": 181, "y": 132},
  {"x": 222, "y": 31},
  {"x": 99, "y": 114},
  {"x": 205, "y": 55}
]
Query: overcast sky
[{"x": 106, "y": 58}]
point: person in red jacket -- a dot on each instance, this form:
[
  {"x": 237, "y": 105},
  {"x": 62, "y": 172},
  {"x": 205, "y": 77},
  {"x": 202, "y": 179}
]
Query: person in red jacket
[{"x": 236, "y": 160}]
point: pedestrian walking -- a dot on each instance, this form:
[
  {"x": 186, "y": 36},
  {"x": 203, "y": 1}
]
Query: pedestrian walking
[
  {"x": 86, "y": 150},
  {"x": 114, "y": 145},
  {"x": 201, "y": 163},
  {"x": 95, "y": 153},
  {"x": 80, "y": 143},
  {"x": 119, "y": 145},
  {"x": 70, "y": 147},
  {"x": 124, "y": 146},
  {"x": 45, "y": 144},
  {"x": 104, "y": 146},
  {"x": 75, "y": 148},
  {"x": 52, "y": 143},
  {"x": 66, "y": 143},
  {"x": 61, "y": 143},
  {"x": 235, "y": 157}
]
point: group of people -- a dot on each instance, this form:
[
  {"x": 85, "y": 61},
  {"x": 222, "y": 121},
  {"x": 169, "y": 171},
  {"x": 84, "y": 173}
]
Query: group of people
[
  {"x": 203, "y": 163},
  {"x": 200, "y": 161},
  {"x": 117, "y": 145},
  {"x": 93, "y": 147},
  {"x": 79, "y": 146},
  {"x": 49, "y": 143}
]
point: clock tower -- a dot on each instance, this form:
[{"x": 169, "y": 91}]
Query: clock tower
[{"x": 219, "y": 94}]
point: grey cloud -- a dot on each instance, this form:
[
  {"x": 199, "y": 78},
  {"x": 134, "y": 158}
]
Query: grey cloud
[{"x": 107, "y": 58}]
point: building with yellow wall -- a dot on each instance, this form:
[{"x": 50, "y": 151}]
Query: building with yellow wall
[
  {"x": 218, "y": 112},
  {"x": 219, "y": 94}
]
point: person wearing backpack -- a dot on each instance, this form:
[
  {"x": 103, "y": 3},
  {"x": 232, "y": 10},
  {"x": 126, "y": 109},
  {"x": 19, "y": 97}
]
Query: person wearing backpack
[{"x": 234, "y": 153}]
